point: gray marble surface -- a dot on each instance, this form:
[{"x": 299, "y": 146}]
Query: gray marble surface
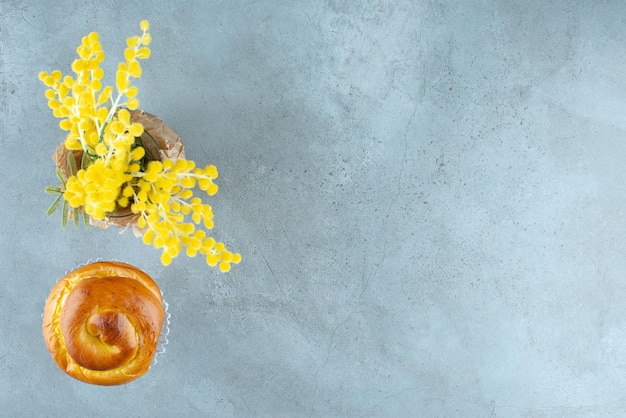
[{"x": 428, "y": 197}]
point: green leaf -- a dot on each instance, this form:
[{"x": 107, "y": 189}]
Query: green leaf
[
  {"x": 75, "y": 215},
  {"x": 85, "y": 161},
  {"x": 64, "y": 214},
  {"x": 60, "y": 176},
  {"x": 53, "y": 190},
  {"x": 86, "y": 219},
  {"x": 54, "y": 205},
  {"x": 71, "y": 163}
]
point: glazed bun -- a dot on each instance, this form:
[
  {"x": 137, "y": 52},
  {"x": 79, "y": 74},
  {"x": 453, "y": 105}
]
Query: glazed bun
[{"x": 102, "y": 323}]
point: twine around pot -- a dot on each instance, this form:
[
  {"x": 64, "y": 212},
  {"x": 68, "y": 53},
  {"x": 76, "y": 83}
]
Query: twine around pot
[{"x": 160, "y": 143}]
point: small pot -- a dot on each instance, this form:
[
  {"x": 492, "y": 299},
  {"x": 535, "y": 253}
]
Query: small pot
[{"x": 159, "y": 141}]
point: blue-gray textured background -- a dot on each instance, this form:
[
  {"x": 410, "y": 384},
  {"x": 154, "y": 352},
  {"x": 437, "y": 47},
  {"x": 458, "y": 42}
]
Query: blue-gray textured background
[{"x": 428, "y": 196}]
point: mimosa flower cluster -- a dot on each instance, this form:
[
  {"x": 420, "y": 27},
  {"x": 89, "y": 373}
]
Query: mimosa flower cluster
[{"x": 116, "y": 171}]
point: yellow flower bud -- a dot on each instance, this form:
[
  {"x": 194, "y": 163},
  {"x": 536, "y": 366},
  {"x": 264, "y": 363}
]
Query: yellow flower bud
[
  {"x": 48, "y": 80},
  {"x": 144, "y": 53},
  {"x": 132, "y": 41},
  {"x": 136, "y": 129},
  {"x": 212, "y": 189},
  {"x": 142, "y": 196},
  {"x": 211, "y": 171},
  {"x": 93, "y": 38},
  {"x": 124, "y": 116},
  {"x": 116, "y": 127},
  {"x": 101, "y": 149},
  {"x": 132, "y": 104},
  {"x": 212, "y": 259},
  {"x": 134, "y": 69},
  {"x": 128, "y": 191},
  {"x": 132, "y": 92},
  {"x": 148, "y": 236},
  {"x": 204, "y": 183},
  {"x": 129, "y": 54},
  {"x": 188, "y": 182},
  {"x": 227, "y": 256},
  {"x": 72, "y": 144},
  {"x": 65, "y": 124},
  {"x": 78, "y": 66},
  {"x": 224, "y": 267},
  {"x": 98, "y": 74},
  {"x": 144, "y": 186},
  {"x": 137, "y": 154},
  {"x": 186, "y": 194},
  {"x": 191, "y": 251},
  {"x": 166, "y": 259},
  {"x": 91, "y": 65},
  {"x": 82, "y": 51}
]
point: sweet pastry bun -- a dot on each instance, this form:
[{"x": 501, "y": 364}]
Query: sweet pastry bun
[{"x": 102, "y": 323}]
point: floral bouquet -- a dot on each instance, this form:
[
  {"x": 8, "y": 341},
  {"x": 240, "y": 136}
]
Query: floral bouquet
[{"x": 118, "y": 162}]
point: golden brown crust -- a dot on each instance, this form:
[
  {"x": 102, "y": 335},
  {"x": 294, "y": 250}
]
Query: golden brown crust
[{"x": 102, "y": 322}]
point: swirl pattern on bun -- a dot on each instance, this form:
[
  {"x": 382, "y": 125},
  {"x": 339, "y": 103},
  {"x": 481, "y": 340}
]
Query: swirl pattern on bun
[{"x": 102, "y": 323}]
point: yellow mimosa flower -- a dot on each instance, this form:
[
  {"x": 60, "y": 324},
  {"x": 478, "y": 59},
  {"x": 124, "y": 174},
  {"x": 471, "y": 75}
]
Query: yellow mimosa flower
[{"x": 115, "y": 170}]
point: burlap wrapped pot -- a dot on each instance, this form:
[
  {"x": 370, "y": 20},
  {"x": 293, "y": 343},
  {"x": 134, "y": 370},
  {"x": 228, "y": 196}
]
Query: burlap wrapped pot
[{"x": 160, "y": 143}]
